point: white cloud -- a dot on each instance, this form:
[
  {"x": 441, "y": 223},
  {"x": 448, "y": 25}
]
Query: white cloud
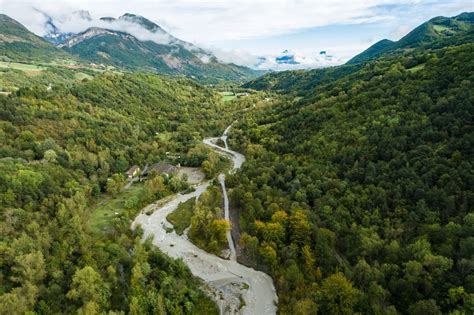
[
  {"x": 236, "y": 56},
  {"x": 303, "y": 59},
  {"x": 210, "y": 21},
  {"x": 399, "y": 32}
]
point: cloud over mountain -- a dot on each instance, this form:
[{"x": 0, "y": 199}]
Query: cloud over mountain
[{"x": 216, "y": 23}]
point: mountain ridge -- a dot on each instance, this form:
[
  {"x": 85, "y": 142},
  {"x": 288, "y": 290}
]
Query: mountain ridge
[
  {"x": 302, "y": 81},
  {"x": 116, "y": 47},
  {"x": 155, "y": 50},
  {"x": 436, "y": 29},
  {"x": 19, "y": 44}
]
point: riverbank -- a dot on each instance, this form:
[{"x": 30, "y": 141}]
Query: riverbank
[{"x": 238, "y": 289}]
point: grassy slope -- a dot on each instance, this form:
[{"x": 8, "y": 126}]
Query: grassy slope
[
  {"x": 111, "y": 207},
  {"x": 19, "y": 44}
]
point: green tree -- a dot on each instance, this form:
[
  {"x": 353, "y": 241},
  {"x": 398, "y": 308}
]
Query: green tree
[
  {"x": 50, "y": 156},
  {"x": 89, "y": 288},
  {"x": 338, "y": 296},
  {"x": 115, "y": 184},
  {"x": 424, "y": 307}
]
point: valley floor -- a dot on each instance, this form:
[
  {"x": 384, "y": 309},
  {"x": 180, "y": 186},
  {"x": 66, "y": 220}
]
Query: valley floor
[{"x": 237, "y": 288}]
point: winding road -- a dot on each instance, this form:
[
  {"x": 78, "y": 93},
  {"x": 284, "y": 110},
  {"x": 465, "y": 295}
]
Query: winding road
[{"x": 230, "y": 282}]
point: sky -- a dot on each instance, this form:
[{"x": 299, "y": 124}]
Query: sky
[{"x": 240, "y": 31}]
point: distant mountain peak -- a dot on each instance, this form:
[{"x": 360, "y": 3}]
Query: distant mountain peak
[
  {"x": 53, "y": 33},
  {"x": 143, "y": 22},
  {"x": 117, "y": 44},
  {"x": 92, "y": 32}
]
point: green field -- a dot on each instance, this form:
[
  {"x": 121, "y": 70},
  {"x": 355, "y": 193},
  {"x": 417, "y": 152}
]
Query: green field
[
  {"x": 21, "y": 66},
  {"x": 101, "y": 217},
  {"x": 442, "y": 28},
  {"x": 181, "y": 217},
  {"x": 228, "y": 96}
]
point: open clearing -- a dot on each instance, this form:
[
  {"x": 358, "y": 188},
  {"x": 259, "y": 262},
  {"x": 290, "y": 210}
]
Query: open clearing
[
  {"x": 195, "y": 174},
  {"x": 21, "y": 66},
  {"x": 81, "y": 76},
  {"x": 111, "y": 208},
  {"x": 228, "y": 96}
]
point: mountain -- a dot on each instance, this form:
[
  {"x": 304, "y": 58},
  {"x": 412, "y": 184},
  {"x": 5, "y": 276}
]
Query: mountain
[
  {"x": 436, "y": 30},
  {"x": 155, "y": 50},
  {"x": 299, "y": 81},
  {"x": 295, "y": 60},
  {"x": 144, "y": 22},
  {"x": 436, "y": 33},
  {"x": 373, "y": 51},
  {"x": 19, "y": 44},
  {"x": 54, "y": 35}
]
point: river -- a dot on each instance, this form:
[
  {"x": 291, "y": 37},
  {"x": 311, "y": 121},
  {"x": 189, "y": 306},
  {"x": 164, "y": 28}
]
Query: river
[{"x": 229, "y": 281}]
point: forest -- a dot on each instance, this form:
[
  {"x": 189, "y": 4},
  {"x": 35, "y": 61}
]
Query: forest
[
  {"x": 357, "y": 197},
  {"x": 63, "y": 148}
]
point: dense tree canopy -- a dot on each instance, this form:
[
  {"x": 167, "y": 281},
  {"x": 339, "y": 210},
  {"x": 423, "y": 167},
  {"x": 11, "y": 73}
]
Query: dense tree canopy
[
  {"x": 358, "y": 196},
  {"x": 61, "y": 149}
]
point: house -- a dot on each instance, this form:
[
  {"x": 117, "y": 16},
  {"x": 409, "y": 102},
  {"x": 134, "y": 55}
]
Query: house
[
  {"x": 160, "y": 168},
  {"x": 133, "y": 171}
]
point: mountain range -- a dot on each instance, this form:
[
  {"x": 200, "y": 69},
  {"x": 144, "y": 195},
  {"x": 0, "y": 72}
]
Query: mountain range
[
  {"x": 156, "y": 50},
  {"x": 133, "y": 42},
  {"x": 355, "y": 196}
]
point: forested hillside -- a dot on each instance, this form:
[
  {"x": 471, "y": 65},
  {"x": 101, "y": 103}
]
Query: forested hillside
[
  {"x": 355, "y": 196},
  {"x": 358, "y": 196},
  {"x": 439, "y": 31},
  {"x": 63, "y": 147},
  {"x": 434, "y": 34}
]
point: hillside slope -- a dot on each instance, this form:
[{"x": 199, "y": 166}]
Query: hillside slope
[
  {"x": 60, "y": 151},
  {"x": 19, "y": 44},
  {"x": 357, "y": 197},
  {"x": 168, "y": 55},
  {"x": 436, "y": 33},
  {"x": 438, "y": 29}
]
